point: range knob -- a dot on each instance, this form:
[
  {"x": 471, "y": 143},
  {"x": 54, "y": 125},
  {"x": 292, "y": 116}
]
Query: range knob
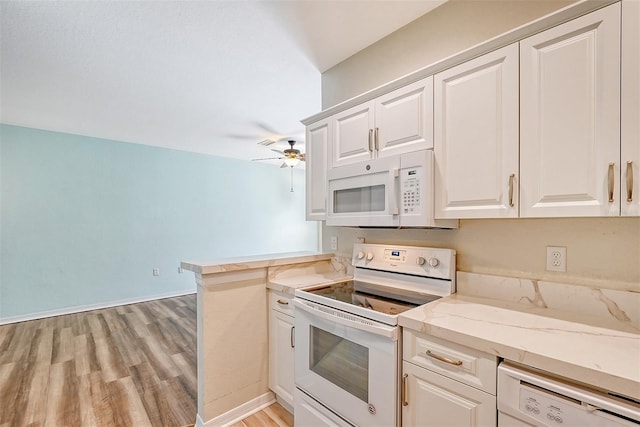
[
  {"x": 369, "y": 256},
  {"x": 434, "y": 262},
  {"x": 420, "y": 260},
  {"x": 360, "y": 255}
]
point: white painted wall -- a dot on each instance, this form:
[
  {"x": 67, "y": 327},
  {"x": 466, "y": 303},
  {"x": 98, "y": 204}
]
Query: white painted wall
[{"x": 85, "y": 220}]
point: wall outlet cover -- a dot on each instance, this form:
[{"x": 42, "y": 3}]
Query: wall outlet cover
[{"x": 556, "y": 258}]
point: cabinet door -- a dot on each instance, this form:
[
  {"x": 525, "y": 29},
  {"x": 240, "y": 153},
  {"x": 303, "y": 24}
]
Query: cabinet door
[
  {"x": 434, "y": 400},
  {"x": 404, "y": 119},
  {"x": 317, "y": 140},
  {"x": 630, "y": 188},
  {"x": 476, "y": 137},
  {"x": 570, "y": 118},
  {"x": 281, "y": 356},
  {"x": 353, "y": 135}
]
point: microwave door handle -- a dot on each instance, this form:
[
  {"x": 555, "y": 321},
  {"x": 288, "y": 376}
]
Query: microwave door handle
[{"x": 394, "y": 175}]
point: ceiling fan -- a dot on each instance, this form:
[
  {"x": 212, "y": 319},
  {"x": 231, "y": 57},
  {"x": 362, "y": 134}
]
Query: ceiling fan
[{"x": 291, "y": 156}]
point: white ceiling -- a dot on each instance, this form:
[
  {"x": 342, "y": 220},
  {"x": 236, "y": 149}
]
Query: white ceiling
[{"x": 213, "y": 77}]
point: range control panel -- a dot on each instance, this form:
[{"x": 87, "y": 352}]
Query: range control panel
[{"x": 415, "y": 260}]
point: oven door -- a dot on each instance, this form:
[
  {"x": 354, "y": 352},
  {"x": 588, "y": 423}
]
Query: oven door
[
  {"x": 364, "y": 194},
  {"x": 348, "y": 363}
]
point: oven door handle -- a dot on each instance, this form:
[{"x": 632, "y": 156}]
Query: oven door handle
[{"x": 346, "y": 319}]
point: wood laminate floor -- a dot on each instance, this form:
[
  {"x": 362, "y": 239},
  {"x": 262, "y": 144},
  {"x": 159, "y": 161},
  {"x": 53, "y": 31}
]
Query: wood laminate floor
[
  {"x": 131, "y": 365},
  {"x": 271, "y": 416}
]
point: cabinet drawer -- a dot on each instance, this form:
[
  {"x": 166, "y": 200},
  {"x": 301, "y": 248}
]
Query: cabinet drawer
[
  {"x": 281, "y": 302},
  {"x": 455, "y": 361}
]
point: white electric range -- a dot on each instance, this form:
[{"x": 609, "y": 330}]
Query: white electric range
[{"x": 347, "y": 354}]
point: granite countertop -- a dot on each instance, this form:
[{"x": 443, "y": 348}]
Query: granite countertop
[
  {"x": 249, "y": 262},
  {"x": 585, "y": 334}
]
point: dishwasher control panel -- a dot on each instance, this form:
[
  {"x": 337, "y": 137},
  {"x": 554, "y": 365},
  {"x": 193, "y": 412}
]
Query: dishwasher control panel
[
  {"x": 532, "y": 397},
  {"x": 550, "y": 409}
]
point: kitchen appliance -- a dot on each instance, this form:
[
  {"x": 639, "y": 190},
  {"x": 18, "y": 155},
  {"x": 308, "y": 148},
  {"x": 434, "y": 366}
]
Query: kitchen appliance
[
  {"x": 395, "y": 191},
  {"x": 347, "y": 353},
  {"x": 529, "y": 397}
]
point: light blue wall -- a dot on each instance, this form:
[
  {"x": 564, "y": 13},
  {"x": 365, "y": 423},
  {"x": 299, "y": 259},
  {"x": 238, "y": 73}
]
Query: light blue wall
[{"x": 84, "y": 220}]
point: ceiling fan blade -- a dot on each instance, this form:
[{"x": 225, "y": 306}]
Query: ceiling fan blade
[
  {"x": 267, "y": 158},
  {"x": 267, "y": 142},
  {"x": 277, "y": 151}
]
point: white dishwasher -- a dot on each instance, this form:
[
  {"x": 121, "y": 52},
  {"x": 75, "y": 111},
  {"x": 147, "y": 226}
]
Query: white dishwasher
[{"x": 528, "y": 398}]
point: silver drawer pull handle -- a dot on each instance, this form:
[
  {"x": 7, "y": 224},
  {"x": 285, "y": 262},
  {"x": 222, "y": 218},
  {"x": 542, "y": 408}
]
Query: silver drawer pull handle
[
  {"x": 511, "y": 178},
  {"x": 629, "y": 181},
  {"x": 444, "y": 359},
  {"x": 610, "y": 179},
  {"x": 283, "y": 302},
  {"x": 405, "y": 402}
]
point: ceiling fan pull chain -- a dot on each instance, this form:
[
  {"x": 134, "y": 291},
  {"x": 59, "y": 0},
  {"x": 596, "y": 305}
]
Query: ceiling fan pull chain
[{"x": 291, "y": 167}]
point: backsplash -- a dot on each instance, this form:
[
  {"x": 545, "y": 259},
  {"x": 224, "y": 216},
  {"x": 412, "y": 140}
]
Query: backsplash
[
  {"x": 619, "y": 305},
  {"x": 601, "y": 252}
]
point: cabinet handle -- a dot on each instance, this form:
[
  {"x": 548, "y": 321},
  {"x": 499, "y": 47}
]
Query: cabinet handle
[
  {"x": 405, "y": 402},
  {"x": 511, "y": 178},
  {"x": 611, "y": 181},
  {"x": 282, "y": 302},
  {"x": 370, "y": 139},
  {"x": 376, "y": 139},
  {"x": 292, "y": 339},
  {"x": 629, "y": 181},
  {"x": 444, "y": 359}
]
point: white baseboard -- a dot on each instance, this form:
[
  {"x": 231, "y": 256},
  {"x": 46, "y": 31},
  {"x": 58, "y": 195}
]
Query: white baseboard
[
  {"x": 81, "y": 308},
  {"x": 239, "y": 412}
]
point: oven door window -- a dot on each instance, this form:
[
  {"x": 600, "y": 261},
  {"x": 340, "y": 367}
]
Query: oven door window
[{"x": 340, "y": 361}]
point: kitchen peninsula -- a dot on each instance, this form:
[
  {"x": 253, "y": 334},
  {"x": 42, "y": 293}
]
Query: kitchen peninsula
[{"x": 232, "y": 325}]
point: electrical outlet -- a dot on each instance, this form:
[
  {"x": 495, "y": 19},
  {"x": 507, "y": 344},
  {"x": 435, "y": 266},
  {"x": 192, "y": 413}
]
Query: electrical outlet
[
  {"x": 156, "y": 271},
  {"x": 334, "y": 243},
  {"x": 556, "y": 258}
]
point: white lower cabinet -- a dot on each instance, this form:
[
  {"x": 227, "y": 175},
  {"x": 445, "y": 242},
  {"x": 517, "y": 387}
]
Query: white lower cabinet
[
  {"x": 281, "y": 347},
  {"x": 435, "y": 400},
  {"x": 446, "y": 384}
]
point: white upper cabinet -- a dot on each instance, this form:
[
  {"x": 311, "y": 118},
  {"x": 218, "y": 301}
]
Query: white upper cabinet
[
  {"x": 570, "y": 118},
  {"x": 404, "y": 119},
  {"x": 353, "y": 135},
  {"x": 395, "y": 123},
  {"x": 476, "y": 137},
  {"x": 316, "y": 142},
  {"x": 630, "y": 188}
]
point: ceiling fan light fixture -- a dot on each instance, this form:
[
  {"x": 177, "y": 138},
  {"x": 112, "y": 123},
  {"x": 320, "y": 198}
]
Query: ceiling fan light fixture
[{"x": 291, "y": 161}]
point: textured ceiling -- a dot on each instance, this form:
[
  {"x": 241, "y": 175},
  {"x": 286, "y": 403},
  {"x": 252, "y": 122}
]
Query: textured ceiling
[{"x": 213, "y": 77}]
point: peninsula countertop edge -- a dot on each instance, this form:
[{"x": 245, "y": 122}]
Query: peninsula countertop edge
[{"x": 222, "y": 265}]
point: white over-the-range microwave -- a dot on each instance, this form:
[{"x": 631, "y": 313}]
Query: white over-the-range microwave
[{"x": 395, "y": 192}]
